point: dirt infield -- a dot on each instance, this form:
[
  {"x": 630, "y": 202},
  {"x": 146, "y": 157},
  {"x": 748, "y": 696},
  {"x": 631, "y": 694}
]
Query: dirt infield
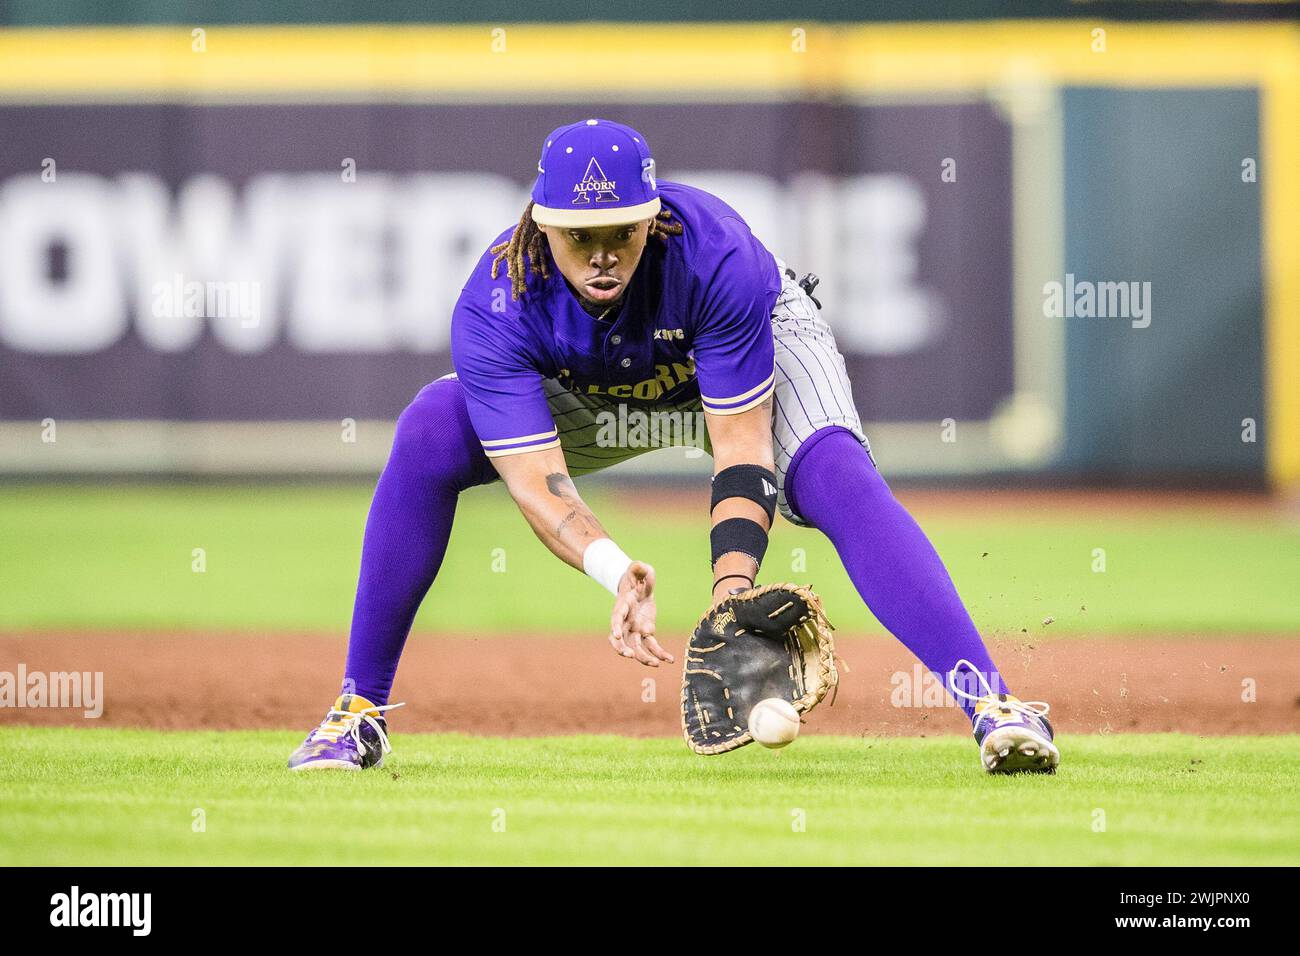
[{"x": 519, "y": 686}]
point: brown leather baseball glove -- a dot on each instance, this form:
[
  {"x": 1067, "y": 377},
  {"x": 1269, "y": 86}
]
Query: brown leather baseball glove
[{"x": 772, "y": 641}]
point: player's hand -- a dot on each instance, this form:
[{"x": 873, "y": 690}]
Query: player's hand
[{"x": 632, "y": 623}]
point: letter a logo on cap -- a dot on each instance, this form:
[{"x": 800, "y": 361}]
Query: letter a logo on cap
[
  {"x": 593, "y": 180},
  {"x": 594, "y": 173}
]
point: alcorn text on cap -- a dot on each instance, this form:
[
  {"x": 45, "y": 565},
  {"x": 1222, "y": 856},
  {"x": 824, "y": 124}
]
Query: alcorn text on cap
[{"x": 595, "y": 173}]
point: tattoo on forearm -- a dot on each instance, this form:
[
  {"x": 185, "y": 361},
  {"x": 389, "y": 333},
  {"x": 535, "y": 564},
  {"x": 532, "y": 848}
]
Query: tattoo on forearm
[
  {"x": 561, "y": 485},
  {"x": 568, "y": 519},
  {"x": 582, "y": 522},
  {"x": 579, "y": 517}
]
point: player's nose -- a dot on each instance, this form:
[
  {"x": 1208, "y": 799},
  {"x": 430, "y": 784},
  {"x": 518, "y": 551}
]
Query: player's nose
[{"x": 602, "y": 258}]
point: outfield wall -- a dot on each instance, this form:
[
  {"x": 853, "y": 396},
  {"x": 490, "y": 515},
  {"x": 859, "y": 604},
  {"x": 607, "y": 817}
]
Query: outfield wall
[{"x": 328, "y": 187}]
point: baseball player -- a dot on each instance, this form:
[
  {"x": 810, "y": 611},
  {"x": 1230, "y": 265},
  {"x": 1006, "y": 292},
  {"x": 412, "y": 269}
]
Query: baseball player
[{"x": 616, "y": 293}]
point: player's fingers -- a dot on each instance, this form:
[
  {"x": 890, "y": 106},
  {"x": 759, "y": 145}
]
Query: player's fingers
[
  {"x": 620, "y": 617},
  {"x": 645, "y": 625},
  {"x": 640, "y": 652},
  {"x": 654, "y": 647},
  {"x": 633, "y": 643},
  {"x": 618, "y": 624},
  {"x": 645, "y": 620}
]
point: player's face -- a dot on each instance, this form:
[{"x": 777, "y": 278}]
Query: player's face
[{"x": 598, "y": 262}]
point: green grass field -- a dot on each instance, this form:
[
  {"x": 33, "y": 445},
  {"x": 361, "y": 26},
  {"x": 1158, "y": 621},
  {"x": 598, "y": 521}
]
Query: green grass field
[
  {"x": 130, "y": 798},
  {"x": 281, "y": 558},
  {"x": 286, "y": 558}
]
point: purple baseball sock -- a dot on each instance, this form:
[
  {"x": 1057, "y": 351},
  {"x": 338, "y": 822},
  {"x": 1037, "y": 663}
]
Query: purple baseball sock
[
  {"x": 832, "y": 484},
  {"x": 435, "y": 457}
]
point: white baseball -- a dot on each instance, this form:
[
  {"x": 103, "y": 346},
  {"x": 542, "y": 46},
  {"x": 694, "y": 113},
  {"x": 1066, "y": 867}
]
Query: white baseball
[{"x": 774, "y": 722}]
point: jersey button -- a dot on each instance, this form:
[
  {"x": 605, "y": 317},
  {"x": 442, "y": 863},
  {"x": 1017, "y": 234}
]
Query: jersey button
[
  {"x": 626, "y": 362},
  {"x": 615, "y": 339}
]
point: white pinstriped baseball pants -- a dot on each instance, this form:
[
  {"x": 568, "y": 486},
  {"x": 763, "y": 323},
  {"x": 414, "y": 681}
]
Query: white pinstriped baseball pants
[{"x": 812, "y": 392}]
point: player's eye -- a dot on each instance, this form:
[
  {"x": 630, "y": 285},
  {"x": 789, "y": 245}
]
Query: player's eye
[{"x": 579, "y": 236}]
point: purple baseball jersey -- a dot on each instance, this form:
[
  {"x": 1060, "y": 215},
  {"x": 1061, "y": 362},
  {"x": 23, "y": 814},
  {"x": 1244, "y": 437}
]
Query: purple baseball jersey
[{"x": 695, "y": 320}]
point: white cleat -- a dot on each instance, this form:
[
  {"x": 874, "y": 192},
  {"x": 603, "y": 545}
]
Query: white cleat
[
  {"x": 1018, "y": 748},
  {"x": 1014, "y": 735}
]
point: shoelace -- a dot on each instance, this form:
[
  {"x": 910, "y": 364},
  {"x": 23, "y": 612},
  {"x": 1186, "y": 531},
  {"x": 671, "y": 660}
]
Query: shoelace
[
  {"x": 1031, "y": 708},
  {"x": 340, "y": 722}
]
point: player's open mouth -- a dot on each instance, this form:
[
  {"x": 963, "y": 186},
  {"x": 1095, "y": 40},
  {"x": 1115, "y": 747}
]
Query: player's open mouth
[{"x": 603, "y": 288}]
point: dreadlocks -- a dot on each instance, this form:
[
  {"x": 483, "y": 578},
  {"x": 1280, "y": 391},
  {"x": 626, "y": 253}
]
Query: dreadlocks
[{"x": 528, "y": 240}]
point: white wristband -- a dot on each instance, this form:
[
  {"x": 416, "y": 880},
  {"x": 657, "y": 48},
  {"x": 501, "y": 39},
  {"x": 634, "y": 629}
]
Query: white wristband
[{"x": 605, "y": 562}]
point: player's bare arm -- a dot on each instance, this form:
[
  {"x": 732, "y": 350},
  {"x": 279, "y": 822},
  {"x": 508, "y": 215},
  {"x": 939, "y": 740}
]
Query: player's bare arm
[
  {"x": 741, "y": 439},
  {"x": 540, "y": 485}
]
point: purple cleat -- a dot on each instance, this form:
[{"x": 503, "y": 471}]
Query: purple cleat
[
  {"x": 1013, "y": 734},
  {"x": 353, "y": 736}
]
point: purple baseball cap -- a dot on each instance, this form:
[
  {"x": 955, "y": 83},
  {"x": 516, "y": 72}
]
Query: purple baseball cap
[{"x": 595, "y": 173}]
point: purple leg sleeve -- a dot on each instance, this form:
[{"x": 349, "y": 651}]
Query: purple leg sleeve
[
  {"x": 435, "y": 457},
  {"x": 833, "y": 484}
]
